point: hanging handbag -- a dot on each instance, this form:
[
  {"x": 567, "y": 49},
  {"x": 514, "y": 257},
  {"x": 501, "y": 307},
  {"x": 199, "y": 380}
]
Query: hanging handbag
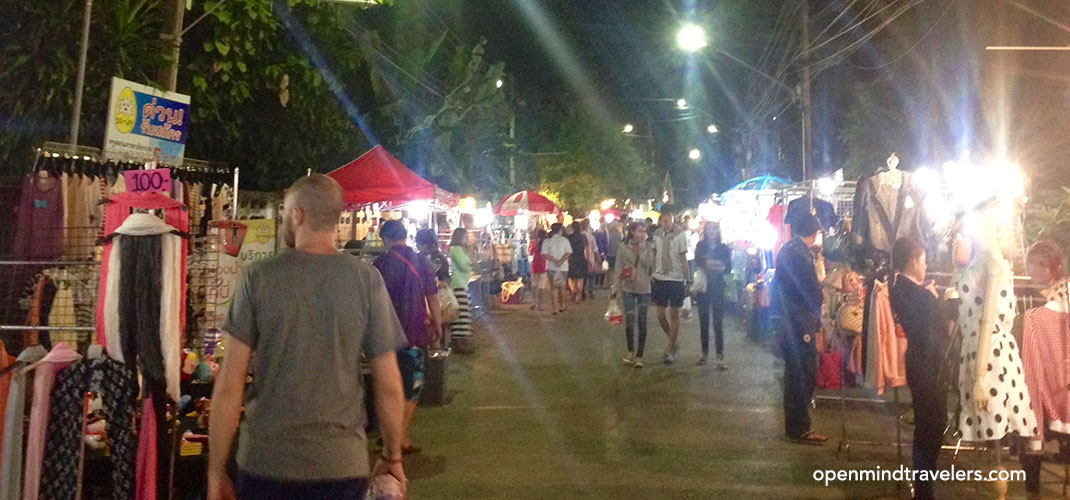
[
  {"x": 427, "y": 307},
  {"x": 698, "y": 282},
  {"x": 850, "y": 315}
]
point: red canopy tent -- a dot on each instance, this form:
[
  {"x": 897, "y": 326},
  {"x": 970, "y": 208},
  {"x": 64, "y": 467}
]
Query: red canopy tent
[
  {"x": 529, "y": 201},
  {"x": 378, "y": 177}
]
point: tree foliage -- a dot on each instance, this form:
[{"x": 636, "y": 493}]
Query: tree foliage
[
  {"x": 592, "y": 161},
  {"x": 276, "y": 86}
]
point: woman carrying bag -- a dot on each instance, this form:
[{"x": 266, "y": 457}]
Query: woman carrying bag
[
  {"x": 631, "y": 279},
  {"x": 714, "y": 260}
]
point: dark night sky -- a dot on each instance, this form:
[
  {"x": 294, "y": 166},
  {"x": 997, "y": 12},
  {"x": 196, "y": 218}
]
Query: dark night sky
[{"x": 611, "y": 54}]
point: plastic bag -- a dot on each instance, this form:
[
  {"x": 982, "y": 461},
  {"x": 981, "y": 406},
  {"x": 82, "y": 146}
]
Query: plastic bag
[
  {"x": 384, "y": 487},
  {"x": 698, "y": 282},
  {"x": 447, "y": 303},
  {"x": 615, "y": 312}
]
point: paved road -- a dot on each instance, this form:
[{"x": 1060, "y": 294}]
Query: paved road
[{"x": 545, "y": 409}]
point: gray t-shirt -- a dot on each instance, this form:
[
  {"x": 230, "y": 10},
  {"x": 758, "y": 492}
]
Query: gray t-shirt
[{"x": 307, "y": 319}]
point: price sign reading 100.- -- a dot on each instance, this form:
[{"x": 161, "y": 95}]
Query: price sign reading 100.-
[{"x": 148, "y": 181}]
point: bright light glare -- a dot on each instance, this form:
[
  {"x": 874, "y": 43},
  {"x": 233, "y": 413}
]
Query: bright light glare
[
  {"x": 710, "y": 211},
  {"x": 712, "y": 129},
  {"x": 691, "y": 38},
  {"x": 610, "y": 218},
  {"x": 420, "y": 210},
  {"x": 483, "y": 216},
  {"x": 927, "y": 179},
  {"x": 607, "y": 204},
  {"x": 695, "y": 154},
  {"x": 827, "y": 186},
  {"x": 636, "y": 214},
  {"x": 681, "y": 103},
  {"x": 693, "y": 224},
  {"x": 628, "y": 128},
  {"x": 499, "y": 84},
  {"x": 766, "y": 236},
  {"x": 592, "y": 219}
]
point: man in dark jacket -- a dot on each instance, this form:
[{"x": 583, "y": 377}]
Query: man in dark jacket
[{"x": 798, "y": 297}]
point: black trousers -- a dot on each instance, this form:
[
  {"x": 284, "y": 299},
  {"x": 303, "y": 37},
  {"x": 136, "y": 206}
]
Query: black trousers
[
  {"x": 929, "y": 400},
  {"x": 250, "y": 487},
  {"x": 800, "y": 378},
  {"x": 711, "y": 307}
]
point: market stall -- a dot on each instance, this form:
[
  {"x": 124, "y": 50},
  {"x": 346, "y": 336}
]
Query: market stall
[{"x": 378, "y": 186}]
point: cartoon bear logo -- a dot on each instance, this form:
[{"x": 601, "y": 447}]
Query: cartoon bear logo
[{"x": 126, "y": 111}]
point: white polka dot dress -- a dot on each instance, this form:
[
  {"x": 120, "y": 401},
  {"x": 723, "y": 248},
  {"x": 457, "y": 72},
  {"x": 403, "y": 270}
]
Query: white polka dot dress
[{"x": 1009, "y": 409}]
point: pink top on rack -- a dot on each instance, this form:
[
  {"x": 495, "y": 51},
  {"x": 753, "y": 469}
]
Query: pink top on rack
[
  {"x": 60, "y": 357},
  {"x": 1045, "y": 354},
  {"x": 891, "y": 349}
]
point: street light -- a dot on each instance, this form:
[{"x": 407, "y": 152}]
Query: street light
[
  {"x": 628, "y": 128},
  {"x": 695, "y": 154},
  {"x": 499, "y": 83},
  {"x": 681, "y": 103},
  {"x": 712, "y": 129},
  {"x": 691, "y": 37}
]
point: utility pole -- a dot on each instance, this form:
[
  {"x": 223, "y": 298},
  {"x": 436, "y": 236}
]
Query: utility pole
[
  {"x": 512, "y": 150},
  {"x": 79, "y": 84},
  {"x": 172, "y": 37},
  {"x": 804, "y": 91}
]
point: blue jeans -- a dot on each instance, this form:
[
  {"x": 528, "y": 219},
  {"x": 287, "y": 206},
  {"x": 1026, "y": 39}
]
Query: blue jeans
[{"x": 635, "y": 309}]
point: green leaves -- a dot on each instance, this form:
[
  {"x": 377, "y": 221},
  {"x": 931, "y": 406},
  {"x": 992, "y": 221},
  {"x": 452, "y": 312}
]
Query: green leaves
[{"x": 222, "y": 47}]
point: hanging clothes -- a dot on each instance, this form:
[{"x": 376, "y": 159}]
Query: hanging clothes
[
  {"x": 822, "y": 209},
  {"x": 1045, "y": 355},
  {"x": 59, "y": 358},
  {"x": 776, "y": 219},
  {"x": 886, "y": 355},
  {"x": 14, "y": 417},
  {"x": 6, "y": 360},
  {"x": 143, "y": 311},
  {"x": 886, "y": 211},
  {"x": 1010, "y": 409},
  {"x": 118, "y": 386},
  {"x": 39, "y": 225},
  {"x": 62, "y": 313}
]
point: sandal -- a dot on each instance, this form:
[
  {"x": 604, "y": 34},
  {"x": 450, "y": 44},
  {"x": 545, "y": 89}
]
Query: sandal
[{"x": 811, "y": 438}]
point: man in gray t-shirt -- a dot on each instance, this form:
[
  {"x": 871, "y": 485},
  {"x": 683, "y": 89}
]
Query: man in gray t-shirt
[{"x": 308, "y": 314}]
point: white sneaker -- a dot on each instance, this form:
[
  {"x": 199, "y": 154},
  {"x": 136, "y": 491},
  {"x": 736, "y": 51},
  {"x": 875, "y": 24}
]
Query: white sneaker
[
  {"x": 629, "y": 359},
  {"x": 638, "y": 363}
]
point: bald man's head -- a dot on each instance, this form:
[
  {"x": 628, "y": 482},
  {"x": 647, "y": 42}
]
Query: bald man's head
[{"x": 319, "y": 201}]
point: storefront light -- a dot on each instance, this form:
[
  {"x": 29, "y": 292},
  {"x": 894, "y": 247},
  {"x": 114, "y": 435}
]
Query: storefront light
[
  {"x": 420, "y": 210},
  {"x": 827, "y": 186},
  {"x": 483, "y": 216},
  {"x": 610, "y": 218},
  {"x": 607, "y": 204},
  {"x": 637, "y": 214},
  {"x": 766, "y": 236}
]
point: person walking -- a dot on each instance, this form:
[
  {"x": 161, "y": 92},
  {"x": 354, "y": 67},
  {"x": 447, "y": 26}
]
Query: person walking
[
  {"x": 461, "y": 270},
  {"x": 798, "y": 297},
  {"x": 308, "y": 314},
  {"x": 558, "y": 252},
  {"x": 594, "y": 261},
  {"x": 927, "y": 328},
  {"x": 713, "y": 258},
  {"x": 427, "y": 244},
  {"x": 670, "y": 277},
  {"x": 577, "y": 264},
  {"x": 413, "y": 289},
  {"x": 631, "y": 279},
  {"x": 540, "y": 282},
  {"x": 614, "y": 238}
]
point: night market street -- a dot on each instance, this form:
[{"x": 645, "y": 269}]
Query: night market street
[{"x": 545, "y": 409}]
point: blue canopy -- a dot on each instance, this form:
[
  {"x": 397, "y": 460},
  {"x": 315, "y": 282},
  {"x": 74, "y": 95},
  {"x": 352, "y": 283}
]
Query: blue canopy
[{"x": 762, "y": 182}]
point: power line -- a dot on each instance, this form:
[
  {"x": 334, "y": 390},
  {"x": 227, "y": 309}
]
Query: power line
[
  {"x": 936, "y": 23},
  {"x": 851, "y": 48}
]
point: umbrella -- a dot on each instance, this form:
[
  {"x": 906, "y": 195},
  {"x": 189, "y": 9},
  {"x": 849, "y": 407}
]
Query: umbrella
[{"x": 529, "y": 201}]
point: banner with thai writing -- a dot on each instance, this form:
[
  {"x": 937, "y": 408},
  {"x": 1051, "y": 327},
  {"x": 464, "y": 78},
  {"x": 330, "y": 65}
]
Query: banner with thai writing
[{"x": 145, "y": 123}]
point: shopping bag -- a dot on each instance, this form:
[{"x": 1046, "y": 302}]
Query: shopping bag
[
  {"x": 384, "y": 487},
  {"x": 698, "y": 282},
  {"x": 615, "y": 312},
  {"x": 828, "y": 370},
  {"x": 447, "y": 303}
]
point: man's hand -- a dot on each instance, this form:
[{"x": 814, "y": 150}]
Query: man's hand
[
  {"x": 220, "y": 487},
  {"x": 393, "y": 468}
]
